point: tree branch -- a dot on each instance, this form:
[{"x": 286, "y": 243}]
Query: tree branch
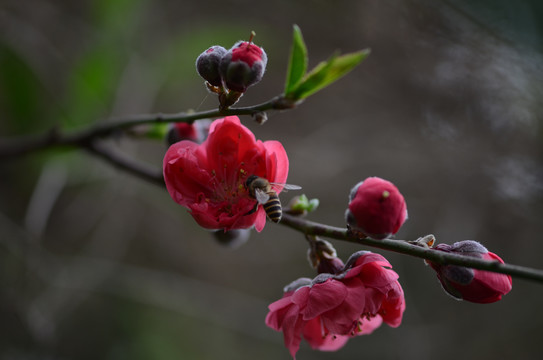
[
  {"x": 87, "y": 139},
  {"x": 403, "y": 247},
  {"x": 55, "y": 138}
]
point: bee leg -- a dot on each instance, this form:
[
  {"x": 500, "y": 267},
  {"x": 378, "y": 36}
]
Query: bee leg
[{"x": 252, "y": 210}]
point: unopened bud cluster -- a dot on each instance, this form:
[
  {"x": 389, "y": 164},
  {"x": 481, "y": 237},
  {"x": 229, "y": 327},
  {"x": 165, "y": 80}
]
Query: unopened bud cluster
[{"x": 230, "y": 72}]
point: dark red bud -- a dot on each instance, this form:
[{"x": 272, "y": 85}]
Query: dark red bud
[
  {"x": 207, "y": 64},
  {"x": 472, "y": 285}
]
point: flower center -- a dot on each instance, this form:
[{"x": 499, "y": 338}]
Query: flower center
[{"x": 229, "y": 190}]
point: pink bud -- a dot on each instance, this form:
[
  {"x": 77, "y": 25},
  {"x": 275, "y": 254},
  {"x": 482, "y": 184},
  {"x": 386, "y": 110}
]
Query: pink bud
[
  {"x": 243, "y": 66},
  {"x": 472, "y": 285},
  {"x": 376, "y": 208}
]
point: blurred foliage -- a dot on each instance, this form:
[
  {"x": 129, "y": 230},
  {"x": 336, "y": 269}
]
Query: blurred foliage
[
  {"x": 519, "y": 23},
  {"x": 21, "y": 92}
]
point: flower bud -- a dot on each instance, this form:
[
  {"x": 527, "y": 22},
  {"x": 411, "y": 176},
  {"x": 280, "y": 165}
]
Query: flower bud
[
  {"x": 376, "y": 208},
  {"x": 242, "y": 66},
  {"x": 323, "y": 256},
  {"x": 472, "y": 285},
  {"x": 260, "y": 117},
  {"x": 197, "y": 131},
  {"x": 332, "y": 265},
  {"x": 232, "y": 238},
  {"x": 207, "y": 64}
]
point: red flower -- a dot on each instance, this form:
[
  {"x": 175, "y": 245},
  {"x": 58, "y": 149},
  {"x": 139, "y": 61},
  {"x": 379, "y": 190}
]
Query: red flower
[
  {"x": 330, "y": 309},
  {"x": 376, "y": 208},
  {"x": 472, "y": 285},
  {"x": 208, "y": 179}
]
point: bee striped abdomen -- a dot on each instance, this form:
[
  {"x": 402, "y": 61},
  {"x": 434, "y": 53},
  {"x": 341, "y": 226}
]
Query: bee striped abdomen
[{"x": 273, "y": 207}]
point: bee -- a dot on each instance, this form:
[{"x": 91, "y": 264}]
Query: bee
[{"x": 262, "y": 190}]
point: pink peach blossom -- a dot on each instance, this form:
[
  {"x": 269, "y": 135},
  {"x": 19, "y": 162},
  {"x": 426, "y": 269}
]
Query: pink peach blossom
[
  {"x": 208, "y": 179},
  {"x": 332, "y": 308}
]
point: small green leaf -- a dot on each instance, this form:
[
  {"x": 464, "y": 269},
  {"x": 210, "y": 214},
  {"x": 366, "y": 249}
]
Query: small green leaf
[
  {"x": 313, "y": 205},
  {"x": 157, "y": 131},
  {"x": 326, "y": 73},
  {"x": 298, "y": 60},
  {"x": 301, "y": 205}
]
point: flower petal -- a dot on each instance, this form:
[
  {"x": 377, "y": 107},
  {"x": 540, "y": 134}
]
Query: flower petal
[
  {"x": 292, "y": 330},
  {"x": 315, "y": 334},
  {"x": 260, "y": 219},
  {"x": 324, "y": 297},
  {"x": 374, "y": 275},
  {"x": 342, "y": 319},
  {"x": 184, "y": 172},
  {"x": 393, "y": 307},
  {"x": 369, "y": 325},
  {"x": 226, "y": 147},
  {"x": 278, "y": 311},
  {"x": 277, "y": 164}
]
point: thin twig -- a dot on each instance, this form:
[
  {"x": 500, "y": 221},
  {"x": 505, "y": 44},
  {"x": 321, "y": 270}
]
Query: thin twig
[{"x": 122, "y": 162}]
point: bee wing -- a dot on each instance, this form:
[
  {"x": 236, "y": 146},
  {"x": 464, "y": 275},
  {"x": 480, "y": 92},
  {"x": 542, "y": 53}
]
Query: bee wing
[
  {"x": 285, "y": 187},
  {"x": 291, "y": 187},
  {"x": 261, "y": 196}
]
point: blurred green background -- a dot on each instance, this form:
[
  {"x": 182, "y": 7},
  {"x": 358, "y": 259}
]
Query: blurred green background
[{"x": 97, "y": 264}]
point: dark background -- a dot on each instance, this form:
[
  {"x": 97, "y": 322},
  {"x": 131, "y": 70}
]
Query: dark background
[{"x": 98, "y": 264}]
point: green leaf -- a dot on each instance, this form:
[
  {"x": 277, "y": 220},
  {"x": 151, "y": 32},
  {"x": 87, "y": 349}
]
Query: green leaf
[
  {"x": 326, "y": 73},
  {"x": 298, "y": 60}
]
